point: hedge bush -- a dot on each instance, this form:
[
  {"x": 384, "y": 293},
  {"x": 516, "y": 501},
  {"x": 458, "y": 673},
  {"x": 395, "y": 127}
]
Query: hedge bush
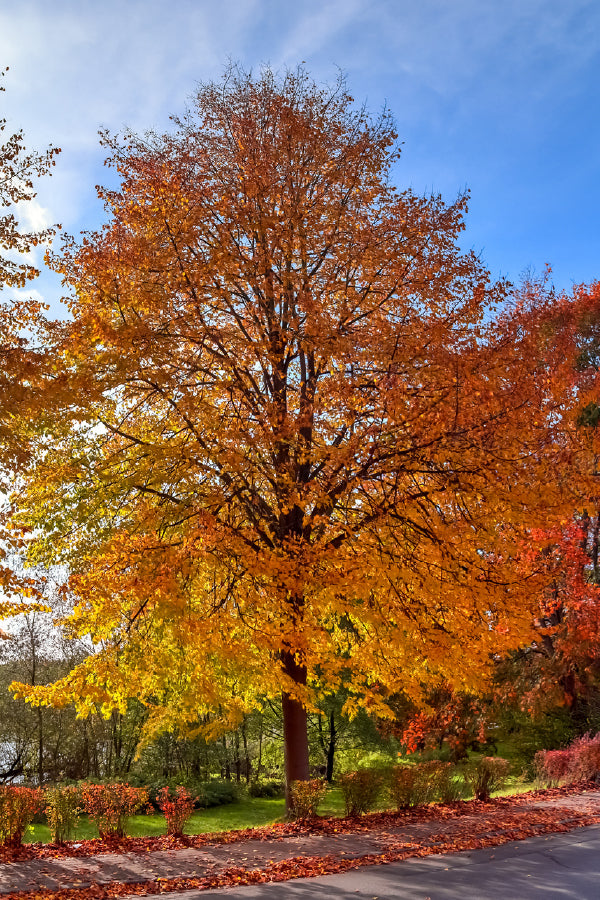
[
  {"x": 305, "y": 797},
  {"x": 580, "y": 761},
  {"x": 62, "y": 811},
  {"x": 489, "y": 774},
  {"x": 18, "y": 806},
  {"x": 360, "y": 790}
]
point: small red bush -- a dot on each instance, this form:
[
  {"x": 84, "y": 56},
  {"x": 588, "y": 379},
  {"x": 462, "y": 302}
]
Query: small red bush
[
  {"x": 584, "y": 753},
  {"x": 176, "y": 808},
  {"x": 553, "y": 766},
  {"x": 110, "y": 805},
  {"x": 18, "y": 806}
]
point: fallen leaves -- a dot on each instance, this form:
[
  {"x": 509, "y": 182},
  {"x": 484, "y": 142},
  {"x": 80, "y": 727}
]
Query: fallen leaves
[{"x": 462, "y": 826}]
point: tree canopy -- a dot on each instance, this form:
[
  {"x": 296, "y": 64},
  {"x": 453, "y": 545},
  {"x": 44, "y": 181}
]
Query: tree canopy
[{"x": 298, "y": 434}]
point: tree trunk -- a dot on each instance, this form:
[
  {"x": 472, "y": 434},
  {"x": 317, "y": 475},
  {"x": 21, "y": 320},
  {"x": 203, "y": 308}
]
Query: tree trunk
[
  {"x": 237, "y": 761},
  {"x": 295, "y": 730},
  {"x": 40, "y": 747},
  {"x": 260, "y": 743},
  {"x": 331, "y": 748},
  {"x": 247, "y": 762},
  {"x": 227, "y": 767}
]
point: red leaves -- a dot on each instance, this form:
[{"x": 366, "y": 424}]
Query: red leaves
[
  {"x": 176, "y": 808},
  {"x": 18, "y": 805},
  {"x": 109, "y": 806}
]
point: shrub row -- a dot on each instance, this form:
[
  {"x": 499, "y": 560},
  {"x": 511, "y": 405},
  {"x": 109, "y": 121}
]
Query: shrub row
[
  {"x": 108, "y": 805},
  {"x": 406, "y": 786},
  {"x": 580, "y": 761}
]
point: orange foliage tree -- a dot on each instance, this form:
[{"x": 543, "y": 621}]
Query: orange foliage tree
[
  {"x": 293, "y": 446},
  {"x": 560, "y": 667}
]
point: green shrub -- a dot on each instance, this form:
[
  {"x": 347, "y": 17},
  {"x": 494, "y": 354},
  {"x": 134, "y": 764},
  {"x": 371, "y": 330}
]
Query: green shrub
[
  {"x": 215, "y": 793},
  {"x": 268, "y": 789},
  {"x": 62, "y": 812},
  {"x": 489, "y": 774},
  {"x": 305, "y": 797},
  {"x": 360, "y": 790},
  {"x": 419, "y": 784}
]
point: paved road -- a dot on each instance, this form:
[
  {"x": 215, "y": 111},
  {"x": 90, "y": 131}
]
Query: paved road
[{"x": 550, "y": 867}]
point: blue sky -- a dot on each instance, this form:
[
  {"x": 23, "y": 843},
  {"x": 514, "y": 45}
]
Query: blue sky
[{"x": 498, "y": 96}]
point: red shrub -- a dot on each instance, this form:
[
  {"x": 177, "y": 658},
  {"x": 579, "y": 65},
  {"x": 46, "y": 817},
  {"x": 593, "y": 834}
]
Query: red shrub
[
  {"x": 18, "y": 806},
  {"x": 553, "y": 766},
  {"x": 110, "y": 805},
  {"x": 584, "y": 753},
  {"x": 176, "y": 808}
]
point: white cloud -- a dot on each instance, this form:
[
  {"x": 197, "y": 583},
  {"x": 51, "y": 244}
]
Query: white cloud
[
  {"x": 23, "y": 294},
  {"x": 32, "y": 216}
]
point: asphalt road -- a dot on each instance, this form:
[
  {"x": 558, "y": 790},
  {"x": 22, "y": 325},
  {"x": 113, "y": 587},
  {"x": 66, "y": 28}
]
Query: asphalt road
[{"x": 550, "y": 867}]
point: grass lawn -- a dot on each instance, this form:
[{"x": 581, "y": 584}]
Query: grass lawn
[{"x": 244, "y": 814}]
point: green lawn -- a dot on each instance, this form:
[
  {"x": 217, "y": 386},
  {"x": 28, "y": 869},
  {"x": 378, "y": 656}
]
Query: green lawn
[{"x": 244, "y": 814}]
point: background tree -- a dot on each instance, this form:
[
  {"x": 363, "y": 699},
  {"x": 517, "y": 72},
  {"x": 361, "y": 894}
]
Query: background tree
[
  {"x": 19, "y": 401},
  {"x": 18, "y": 169},
  {"x": 293, "y": 448}
]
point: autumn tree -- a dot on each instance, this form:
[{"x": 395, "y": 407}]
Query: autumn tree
[
  {"x": 18, "y": 168},
  {"x": 293, "y": 444},
  {"x": 560, "y": 668},
  {"x": 19, "y": 313}
]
